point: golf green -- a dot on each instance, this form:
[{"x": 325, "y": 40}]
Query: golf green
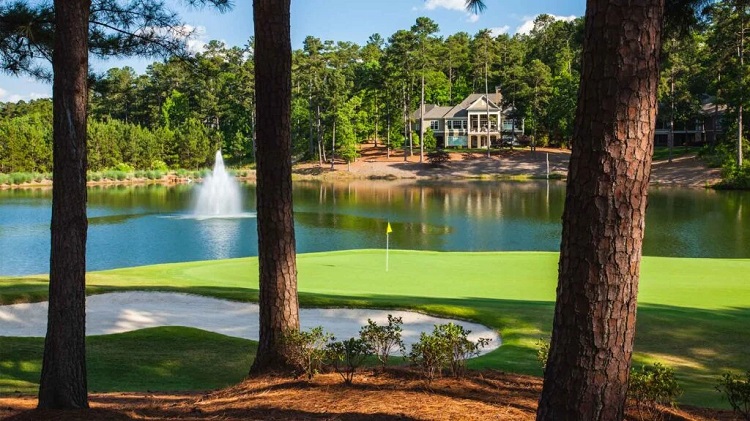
[{"x": 693, "y": 313}]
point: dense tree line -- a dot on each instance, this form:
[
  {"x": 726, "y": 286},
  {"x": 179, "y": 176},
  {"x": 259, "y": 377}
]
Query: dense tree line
[{"x": 181, "y": 110}]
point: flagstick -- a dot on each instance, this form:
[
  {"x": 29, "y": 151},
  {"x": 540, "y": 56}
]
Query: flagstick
[{"x": 387, "y": 237}]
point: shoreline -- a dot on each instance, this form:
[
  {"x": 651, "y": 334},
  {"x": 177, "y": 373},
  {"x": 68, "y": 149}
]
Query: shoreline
[{"x": 503, "y": 165}]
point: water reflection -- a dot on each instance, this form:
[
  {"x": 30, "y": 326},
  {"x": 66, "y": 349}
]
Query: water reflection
[{"x": 137, "y": 225}]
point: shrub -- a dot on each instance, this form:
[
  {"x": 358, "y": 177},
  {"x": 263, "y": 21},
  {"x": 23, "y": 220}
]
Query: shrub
[
  {"x": 123, "y": 167},
  {"x": 736, "y": 390},
  {"x": 458, "y": 347},
  {"x": 734, "y": 177},
  {"x": 114, "y": 175},
  {"x": 447, "y": 346},
  {"x": 94, "y": 176},
  {"x": 140, "y": 174},
  {"x": 159, "y": 165},
  {"x": 429, "y": 356},
  {"x": 38, "y": 177},
  {"x": 21, "y": 177},
  {"x": 438, "y": 157},
  {"x": 383, "y": 339},
  {"x": 346, "y": 356},
  {"x": 653, "y": 385},
  {"x": 4, "y": 179},
  {"x": 307, "y": 349},
  {"x": 182, "y": 173},
  {"x": 542, "y": 352}
]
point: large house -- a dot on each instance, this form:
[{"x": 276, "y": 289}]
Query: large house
[
  {"x": 465, "y": 125},
  {"x": 705, "y": 128}
]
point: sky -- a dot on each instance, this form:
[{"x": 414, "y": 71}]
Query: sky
[{"x": 338, "y": 20}]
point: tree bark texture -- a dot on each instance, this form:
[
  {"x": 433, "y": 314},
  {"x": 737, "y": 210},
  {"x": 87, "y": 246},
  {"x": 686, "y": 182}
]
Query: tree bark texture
[
  {"x": 279, "y": 309},
  {"x": 63, "y": 380},
  {"x": 603, "y": 222}
]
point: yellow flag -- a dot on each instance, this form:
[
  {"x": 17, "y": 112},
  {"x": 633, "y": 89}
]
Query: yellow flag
[{"x": 388, "y": 230}]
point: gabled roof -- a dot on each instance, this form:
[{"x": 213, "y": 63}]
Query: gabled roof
[{"x": 431, "y": 112}]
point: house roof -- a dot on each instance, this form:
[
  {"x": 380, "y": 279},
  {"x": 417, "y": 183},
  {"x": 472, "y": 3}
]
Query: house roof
[
  {"x": 473, "y": 102},
  {"x": 431, "y": 112}
]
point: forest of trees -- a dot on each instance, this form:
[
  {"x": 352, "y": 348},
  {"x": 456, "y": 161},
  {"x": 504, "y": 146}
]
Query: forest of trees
[{"x": 181, "y": 110}]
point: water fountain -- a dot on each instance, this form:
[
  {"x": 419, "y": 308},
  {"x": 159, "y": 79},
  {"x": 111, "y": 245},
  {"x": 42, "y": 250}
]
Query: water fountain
[{"x": 219, "y": 196}]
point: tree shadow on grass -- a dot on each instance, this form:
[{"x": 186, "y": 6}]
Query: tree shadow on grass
[{"x": 699, "y": 344}]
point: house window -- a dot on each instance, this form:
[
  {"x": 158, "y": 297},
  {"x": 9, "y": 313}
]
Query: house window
[{"x": 435, "y": 125}]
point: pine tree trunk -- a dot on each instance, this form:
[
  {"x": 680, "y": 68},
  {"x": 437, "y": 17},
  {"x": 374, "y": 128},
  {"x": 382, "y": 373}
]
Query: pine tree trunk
[
  {"x": 63, "y": 381},
  {"x": 279, "y": 309},
  {"x": 603, "y": 222}
]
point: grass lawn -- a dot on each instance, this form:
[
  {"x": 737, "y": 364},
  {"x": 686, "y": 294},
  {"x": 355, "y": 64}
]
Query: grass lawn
[
  {"x": 693, "y": 313},
  {"x": 662, "y": 152}
]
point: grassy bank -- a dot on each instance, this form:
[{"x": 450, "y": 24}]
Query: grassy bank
[{"x": 692, "y": 316}]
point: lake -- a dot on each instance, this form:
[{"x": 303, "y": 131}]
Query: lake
[{"x": 132, "y": 226}]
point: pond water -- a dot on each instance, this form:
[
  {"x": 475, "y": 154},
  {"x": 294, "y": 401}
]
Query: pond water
[{"x": 132, "y": 226}]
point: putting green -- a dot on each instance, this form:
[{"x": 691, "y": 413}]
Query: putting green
[{"x": 693, "y": 313}]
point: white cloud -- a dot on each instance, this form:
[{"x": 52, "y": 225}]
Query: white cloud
[
  {"x": 3, "y": 92},
  {"x": 458, "y": 5},
  {"x": 194, "y": 36},
  {"x": 6, "y": 96},
  {"x": 499, "y": 30},
  {"x": 528, "y": 22},
  {"x": 445, "y": 4}
]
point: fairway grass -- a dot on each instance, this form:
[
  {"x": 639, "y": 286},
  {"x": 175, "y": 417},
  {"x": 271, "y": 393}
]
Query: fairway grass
[{"x": 693, "y": 313}]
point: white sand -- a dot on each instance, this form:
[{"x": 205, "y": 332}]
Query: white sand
[{"x": 128, "y": 311}]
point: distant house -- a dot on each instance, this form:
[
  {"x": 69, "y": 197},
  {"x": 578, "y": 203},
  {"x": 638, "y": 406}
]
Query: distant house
[
  {"x": 465, "y": 125},
  {"x": 705, "y": 128}
]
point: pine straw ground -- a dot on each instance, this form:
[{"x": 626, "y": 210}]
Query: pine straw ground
[{"x": 395, "y": 394}]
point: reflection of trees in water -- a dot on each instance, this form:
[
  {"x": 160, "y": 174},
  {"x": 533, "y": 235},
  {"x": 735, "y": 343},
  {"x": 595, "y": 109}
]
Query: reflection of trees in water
[{"x": 477, "y": 200}]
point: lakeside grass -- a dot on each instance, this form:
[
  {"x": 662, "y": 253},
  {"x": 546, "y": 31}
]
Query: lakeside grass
[{"x": 693, "y": 313}]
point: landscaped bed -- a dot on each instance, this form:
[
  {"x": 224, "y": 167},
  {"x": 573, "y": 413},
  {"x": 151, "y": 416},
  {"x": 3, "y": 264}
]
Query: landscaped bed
[{"x": 693, "y": 313}]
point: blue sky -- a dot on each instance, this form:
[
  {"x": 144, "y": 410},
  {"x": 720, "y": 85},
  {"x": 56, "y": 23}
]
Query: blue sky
[{"x": 339, "y": 20}]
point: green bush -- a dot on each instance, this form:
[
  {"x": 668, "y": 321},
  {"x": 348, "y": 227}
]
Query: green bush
[
  {"x": 21, "y": 177},
  {"x": 114, "y": 175},
  {"x": 123, "y": 167},
  {"x": 734, "y": 177},
  {"x": 736, "y": 391},
  {"x": 140, "y": 174},
  {"x": 307, "y": 349},
  {"x": 458, "y": 347},
  {"x": 159, "y": 165},
  {"x": 429, "y": 356},
  {"x": 346, "y": 356},
  {"x": 542, "y": 352},
  {"x": 447, "y": 346},
  {"x": 182, "y": 173},
  {"x": 38, "y": 177},
  {"x": 94, "y": 176},
  {"x": 383, "y": 339},
  {"x": 653, "y": 385},
  {"x": 4, "y": 179}
]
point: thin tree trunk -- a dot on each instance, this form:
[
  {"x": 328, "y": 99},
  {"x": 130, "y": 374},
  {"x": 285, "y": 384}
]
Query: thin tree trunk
[
  {"x": 421, "y": 122},
  {"x": 604, "y": 219},
  {"x": 279, "y": 309},
  {"x": 333, "y": 144},
  {"x": 741, "y": 84},
  {"x": 670, "y": 138},
  {"x": 63, "y": 383}
]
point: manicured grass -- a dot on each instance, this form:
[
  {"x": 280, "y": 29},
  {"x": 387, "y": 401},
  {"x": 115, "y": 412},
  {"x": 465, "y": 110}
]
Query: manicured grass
[
  {"x": 693, "y": 313},
  {"x": 662, "y": 152},
  {"x": 162, "y": 358}
]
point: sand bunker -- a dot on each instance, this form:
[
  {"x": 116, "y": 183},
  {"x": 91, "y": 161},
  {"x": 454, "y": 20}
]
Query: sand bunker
[{"x": 128, "y": 311}]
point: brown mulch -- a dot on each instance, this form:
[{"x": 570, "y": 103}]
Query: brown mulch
[{"x": 393, "y": 395}]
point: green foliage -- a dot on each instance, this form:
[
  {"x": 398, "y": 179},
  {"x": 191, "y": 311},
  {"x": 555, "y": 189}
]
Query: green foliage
[
  {"x": 4, "y": 179},
  {"x": 429, "y": 139},
  {"x": 736, "y": 390},
  {"x": 653, "y": 385},
  {"x": 21, "y": 178},
  {"x": 734, "y": 177},
  {"x": 307, "y": 348},
  {"x": 438, "y": 157},
  {"x": 542, "y": 352},
  {"x": 123, "y": 167},
  {"x": 447, "y": 346},
  {"x": 383, "y": 339},
  {"x": 159, "y": 165},
  {"x": 346, "y": 356}
]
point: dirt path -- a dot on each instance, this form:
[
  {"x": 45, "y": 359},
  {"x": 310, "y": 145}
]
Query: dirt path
[{"x": 373, "y": 164}]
